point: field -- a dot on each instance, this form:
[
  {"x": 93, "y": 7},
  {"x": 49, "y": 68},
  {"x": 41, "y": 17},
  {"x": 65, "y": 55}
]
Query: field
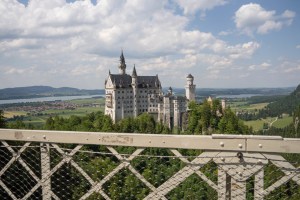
[
  {"x": 241, "y": 105},
  {"x": 279, "y": 123},
  {"x": 10, "y": 114},
  {"x": 84, "y": 106}
]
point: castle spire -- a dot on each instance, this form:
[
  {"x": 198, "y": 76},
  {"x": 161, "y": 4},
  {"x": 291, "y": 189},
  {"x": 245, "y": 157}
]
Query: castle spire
[
  {"x": 134, "y": 72},
  {"x": 122, "y": 66}
]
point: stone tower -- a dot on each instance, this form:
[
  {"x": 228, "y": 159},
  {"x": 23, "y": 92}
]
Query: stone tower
[
  {"x": 134, "y": 84},
  {"x": 223, "y": 103},
  {"x": 122, "y": 66},
  {"x": 190, "y": 88}
]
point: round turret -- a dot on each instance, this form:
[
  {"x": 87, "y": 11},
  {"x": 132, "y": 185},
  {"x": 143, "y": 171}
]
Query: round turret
[
  {"x": 170, "y": 92},
  {"x": 190, "y": 76},
  {"x": 190, "y": 79}
]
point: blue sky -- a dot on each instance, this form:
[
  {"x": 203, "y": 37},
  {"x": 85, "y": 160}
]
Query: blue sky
[{"x": 223, "y": 43}]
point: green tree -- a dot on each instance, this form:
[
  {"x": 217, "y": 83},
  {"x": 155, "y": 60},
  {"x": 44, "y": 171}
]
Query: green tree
[
  {"x": 17, "y": 125},
  {"x": 2, "y": 119},
  {"x": 145, "y": 123}
]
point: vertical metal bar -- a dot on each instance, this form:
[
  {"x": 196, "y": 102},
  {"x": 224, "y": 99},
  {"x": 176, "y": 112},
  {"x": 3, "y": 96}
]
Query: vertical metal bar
[
  {"x": 238, "y": 189},
  {"x": 228, "y": 186},
  {"x": 221, "y": 184},
  {"x": 259, "y": 185},
  {"x": 45, "y": 170}
]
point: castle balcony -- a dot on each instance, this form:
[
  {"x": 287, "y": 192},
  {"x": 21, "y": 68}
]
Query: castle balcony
[{"x": 92, "y": 165}]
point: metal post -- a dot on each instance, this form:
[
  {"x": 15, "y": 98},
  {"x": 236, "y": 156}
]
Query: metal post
[
  {"x": 224, "y": 185},
  {"x": 222, "y": 181},
  {"x": 45, "y": 170},
  {"x": 259, "y": 185},
  {"x": 238, "y": 189}
]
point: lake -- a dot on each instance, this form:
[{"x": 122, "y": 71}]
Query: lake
[
  {"x": 232, "y": 96},
  {"x": 61, "y": 98}
]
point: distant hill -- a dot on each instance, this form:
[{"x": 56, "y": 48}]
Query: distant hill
[
  {"x": 44, "y": 91},
  {"x": 285, "y": 104},
  {"x": 213, "y": 92}
]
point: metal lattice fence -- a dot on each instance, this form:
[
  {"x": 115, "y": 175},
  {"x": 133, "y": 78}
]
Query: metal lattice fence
[{"x": 66, "y": 171}]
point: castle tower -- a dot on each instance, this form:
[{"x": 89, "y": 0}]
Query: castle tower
[
  {"x": 170, "y": 91},
  {"x": 122, "y": 66},
  {"x": 223, "y": 103},
  {"x": 190, "y": 88},
  {"x": 134, "y": 84}
]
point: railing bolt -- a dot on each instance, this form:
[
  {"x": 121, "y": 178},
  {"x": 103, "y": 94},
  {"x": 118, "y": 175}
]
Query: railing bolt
[
  {"x": 240, "y": 156},
  {"x": 44, "y": 136},
  {"x": 240, "y": 146},
  {"x": 222, "y": 144},
  {"x": 223, "y": 159},
  {"x": 260, "y": 145},
  {"x": 259, "y": 162},
  {"x": 240, "y": 173}
]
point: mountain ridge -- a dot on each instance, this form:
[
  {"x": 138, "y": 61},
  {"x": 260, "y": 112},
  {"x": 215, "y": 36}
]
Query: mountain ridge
[{"x": 44, "y": 91}]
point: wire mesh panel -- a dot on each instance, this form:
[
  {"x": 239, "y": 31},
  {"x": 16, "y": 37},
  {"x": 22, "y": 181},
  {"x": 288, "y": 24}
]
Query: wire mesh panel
[{"x": 70, "y": 171}]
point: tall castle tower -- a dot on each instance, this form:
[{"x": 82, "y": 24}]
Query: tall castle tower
[
  {"x": 134, "y": 83},
  {"x": 190, "y": 88}
]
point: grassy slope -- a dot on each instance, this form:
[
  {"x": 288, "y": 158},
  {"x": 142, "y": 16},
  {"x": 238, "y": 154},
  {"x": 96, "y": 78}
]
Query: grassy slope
[
  {"x": 280, "y": 123},
  {"x": 239, "y": 106}
]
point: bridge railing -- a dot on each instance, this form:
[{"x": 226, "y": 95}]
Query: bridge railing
[{"x": 88, "y": 165}]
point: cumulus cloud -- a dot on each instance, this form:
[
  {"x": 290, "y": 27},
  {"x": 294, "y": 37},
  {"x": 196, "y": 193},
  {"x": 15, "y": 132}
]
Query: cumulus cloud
[
  {"x": 253, "y": 18},
  {"x": 192, "y": 6},
  {"x": 71, "y": 39}
]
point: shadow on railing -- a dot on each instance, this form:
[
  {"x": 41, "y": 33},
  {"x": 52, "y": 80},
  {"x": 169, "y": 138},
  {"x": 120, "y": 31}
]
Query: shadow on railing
[{"x": 83, "y": 165}]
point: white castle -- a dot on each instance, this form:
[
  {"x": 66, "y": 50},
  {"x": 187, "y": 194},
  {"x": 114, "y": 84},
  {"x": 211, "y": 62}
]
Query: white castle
[{"x": 130, "y": 96}]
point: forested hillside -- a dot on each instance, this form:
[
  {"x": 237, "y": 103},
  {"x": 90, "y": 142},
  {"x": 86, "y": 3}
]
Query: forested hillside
[
  {"x": 283, "y": 105},
  {"x": 278, "y": 106},
  {"x": 290, "y": 131}
]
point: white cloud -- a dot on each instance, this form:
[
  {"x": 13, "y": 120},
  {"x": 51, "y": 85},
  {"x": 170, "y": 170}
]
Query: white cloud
[
  {"x": 245, "y": 50},
  {"x": 252, "y": 18},
  {"x": 298, "y": 46},
  {"x": 192, "y": 6},
  {"x": 70, "y": 39},
  {"x": 262, "y": 66},
  {"x": 290, "y": 67}
]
